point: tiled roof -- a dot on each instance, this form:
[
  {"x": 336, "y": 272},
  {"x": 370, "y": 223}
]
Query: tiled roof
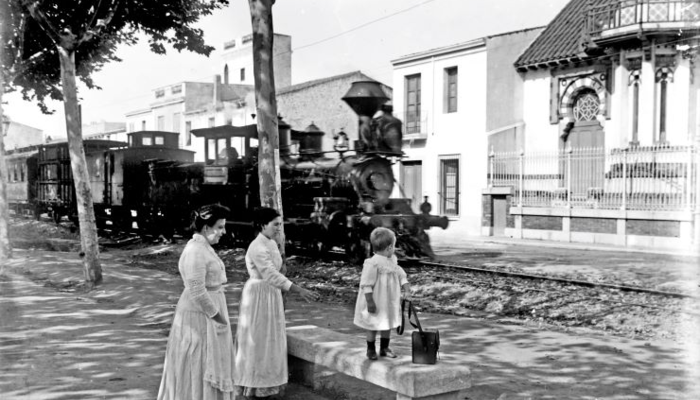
[
  {"x": 560, "y": 40},
  {"x": 358, "y": 75}
]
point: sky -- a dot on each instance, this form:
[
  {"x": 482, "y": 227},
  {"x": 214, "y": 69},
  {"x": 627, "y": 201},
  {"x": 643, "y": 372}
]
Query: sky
[{"x": 329, "y": 37}]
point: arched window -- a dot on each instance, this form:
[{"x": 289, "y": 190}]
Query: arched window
[
  {"x": 226, "y": 74},
  {"x": 586, "y": 105}
]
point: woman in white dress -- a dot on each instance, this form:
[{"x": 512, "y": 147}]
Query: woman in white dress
[
  {"x": 199, "y": 356},
  {"x": 261, "y": 342}
]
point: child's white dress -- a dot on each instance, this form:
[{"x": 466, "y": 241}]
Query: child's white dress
[{"x": 382, "y": 277}]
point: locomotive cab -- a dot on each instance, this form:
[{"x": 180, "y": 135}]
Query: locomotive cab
[{"x": 227, "y": 146}]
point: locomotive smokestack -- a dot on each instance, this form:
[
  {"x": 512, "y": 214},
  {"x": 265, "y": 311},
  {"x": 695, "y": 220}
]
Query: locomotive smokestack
[{"x": 365, "y": 97}]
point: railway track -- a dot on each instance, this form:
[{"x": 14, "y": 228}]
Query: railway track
[
  {"x": 578, "y": 282},
  {"x": 119, "y": 239}
]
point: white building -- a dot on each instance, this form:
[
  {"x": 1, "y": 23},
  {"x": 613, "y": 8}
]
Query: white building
[
  {"x": 105, "y": 130},
  {"x": 183, "y": 106},
  {"x": 441, "y": 95},
  {"x": 17, "y": 135},
  {"x": 236, "y": 64},
  {"x": 607, "y": 150}
]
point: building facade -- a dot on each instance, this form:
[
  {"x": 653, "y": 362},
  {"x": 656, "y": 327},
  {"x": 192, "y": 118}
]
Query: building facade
[
  {"x": 236, "y": 66},
  {"x": 444, "y": 98},
  {"x": 607, "y": 149},
  {"x": 319, "y": 102},
  {"x": 230, "y": 99},
  {"x": 17, "y": 135},
  {"x": 105, "y": 130},
  {"x": 226, "y": 100}
]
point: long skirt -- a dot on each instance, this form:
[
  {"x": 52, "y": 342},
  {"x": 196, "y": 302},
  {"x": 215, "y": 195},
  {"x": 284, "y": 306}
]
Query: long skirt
[
  {"x": 261, "y": 342},
  {"x": 199, "y": 356}
]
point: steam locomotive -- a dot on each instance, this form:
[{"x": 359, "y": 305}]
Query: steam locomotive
[{"x": 330, "y": 199}]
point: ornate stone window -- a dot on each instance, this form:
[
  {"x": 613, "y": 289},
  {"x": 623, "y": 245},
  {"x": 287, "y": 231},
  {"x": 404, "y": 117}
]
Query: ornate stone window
[
  {"x": 586, "y": 105},
  {"x": 584, "y": 98}
]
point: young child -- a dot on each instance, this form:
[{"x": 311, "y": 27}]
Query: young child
[{"x": 378, "y": 306}]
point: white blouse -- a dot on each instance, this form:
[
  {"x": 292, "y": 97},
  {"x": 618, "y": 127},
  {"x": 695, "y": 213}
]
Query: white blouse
[
  {"x": 201, "y": 270},
  {"x": 264, "y": 261}
]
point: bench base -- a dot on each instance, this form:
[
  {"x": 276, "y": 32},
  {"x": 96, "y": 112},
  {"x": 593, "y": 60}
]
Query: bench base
[
  {"x": 321, "y": 378},
  {"x": 346, "y": 354}
]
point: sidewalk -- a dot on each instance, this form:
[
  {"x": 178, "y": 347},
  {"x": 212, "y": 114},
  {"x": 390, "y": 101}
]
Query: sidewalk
[{"x": 109, "y": 343}]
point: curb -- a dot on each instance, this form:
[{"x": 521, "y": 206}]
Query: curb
[{"x": 477, "y": 240}]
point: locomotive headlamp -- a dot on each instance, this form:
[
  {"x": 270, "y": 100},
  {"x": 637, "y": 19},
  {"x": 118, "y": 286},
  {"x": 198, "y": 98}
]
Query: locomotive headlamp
[{"x": 340, "y": 141}]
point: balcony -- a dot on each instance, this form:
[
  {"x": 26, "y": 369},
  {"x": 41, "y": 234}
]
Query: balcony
[
  {"x": 415, "y": 125},
  {"x": 628, "y": 18}
]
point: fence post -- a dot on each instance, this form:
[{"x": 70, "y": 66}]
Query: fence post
[
  {"x": 696, "y": 182},
  {"x": 521, "y": 178},
  {"x": 569, "y": 150},
  {"x": 688, "y": 179},
  {"x": 491, "y": 163},
  {"x": 624, "y": 179}
]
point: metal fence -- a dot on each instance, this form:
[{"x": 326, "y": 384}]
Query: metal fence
[
  {"x": 624, "y": 13},
  {"x": 635, "y": 178}
]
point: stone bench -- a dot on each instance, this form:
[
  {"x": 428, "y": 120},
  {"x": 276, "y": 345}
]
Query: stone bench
[{"x": 311, "y": 347}]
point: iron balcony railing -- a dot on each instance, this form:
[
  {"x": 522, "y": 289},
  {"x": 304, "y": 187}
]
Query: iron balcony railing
[
  {"x": 663, "y": 178},
  {"x": 624, "y": 16}
]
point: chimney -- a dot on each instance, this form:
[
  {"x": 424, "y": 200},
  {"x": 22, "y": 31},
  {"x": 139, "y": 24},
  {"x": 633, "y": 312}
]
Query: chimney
[{"x": 217, "y": 92}]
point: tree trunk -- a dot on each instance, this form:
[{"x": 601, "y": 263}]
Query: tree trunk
[
  {"x": 81, "y": 178},
  {"x": 266, "y": 102},
  {"x": 5, "y": 248}
]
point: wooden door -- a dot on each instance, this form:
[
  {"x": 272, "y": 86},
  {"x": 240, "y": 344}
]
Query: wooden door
[
  {"x": 500, "y": 209},
  {"x": 587, "y": 158}
]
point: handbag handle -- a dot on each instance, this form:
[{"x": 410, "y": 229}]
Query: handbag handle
[{"x": 411, "y": 311}]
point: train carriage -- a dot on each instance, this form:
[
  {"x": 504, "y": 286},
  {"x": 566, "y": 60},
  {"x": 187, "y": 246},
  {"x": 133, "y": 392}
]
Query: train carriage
[
  {"x": 22, "y": 172},
  {"x": 120, "y": 178},
  {"x": 54, "y": 185}
]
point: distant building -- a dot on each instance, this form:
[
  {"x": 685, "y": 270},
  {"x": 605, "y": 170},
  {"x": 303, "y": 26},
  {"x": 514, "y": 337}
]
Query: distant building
[
  {"x": 230, "y": 99},
  {"x": 237, "y": 61},
  {"x": 183, "y": 106},
  {"x": 105, "y": 130},
  {"x": 320, "y": 102},
  {"x": 17, "y": 135},
  {"x": 445, "y": 98}
]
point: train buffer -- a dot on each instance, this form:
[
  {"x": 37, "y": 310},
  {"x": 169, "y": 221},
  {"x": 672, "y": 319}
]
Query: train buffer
[{"x": 316, "y": 352}]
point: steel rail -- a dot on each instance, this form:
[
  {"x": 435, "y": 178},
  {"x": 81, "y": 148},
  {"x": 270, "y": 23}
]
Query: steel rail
[{"x": 561, "y": 280}]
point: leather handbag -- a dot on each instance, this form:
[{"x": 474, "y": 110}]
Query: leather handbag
[{"x": 425, "y": 343}]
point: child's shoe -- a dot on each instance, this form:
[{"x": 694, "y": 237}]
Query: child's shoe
[
  {"x": 371, "y": 351},
  {"x": 384, "y": 349}
]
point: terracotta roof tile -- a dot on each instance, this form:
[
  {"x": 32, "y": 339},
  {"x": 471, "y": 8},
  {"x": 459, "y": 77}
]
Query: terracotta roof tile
[{"x": 560, "y": 40}]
